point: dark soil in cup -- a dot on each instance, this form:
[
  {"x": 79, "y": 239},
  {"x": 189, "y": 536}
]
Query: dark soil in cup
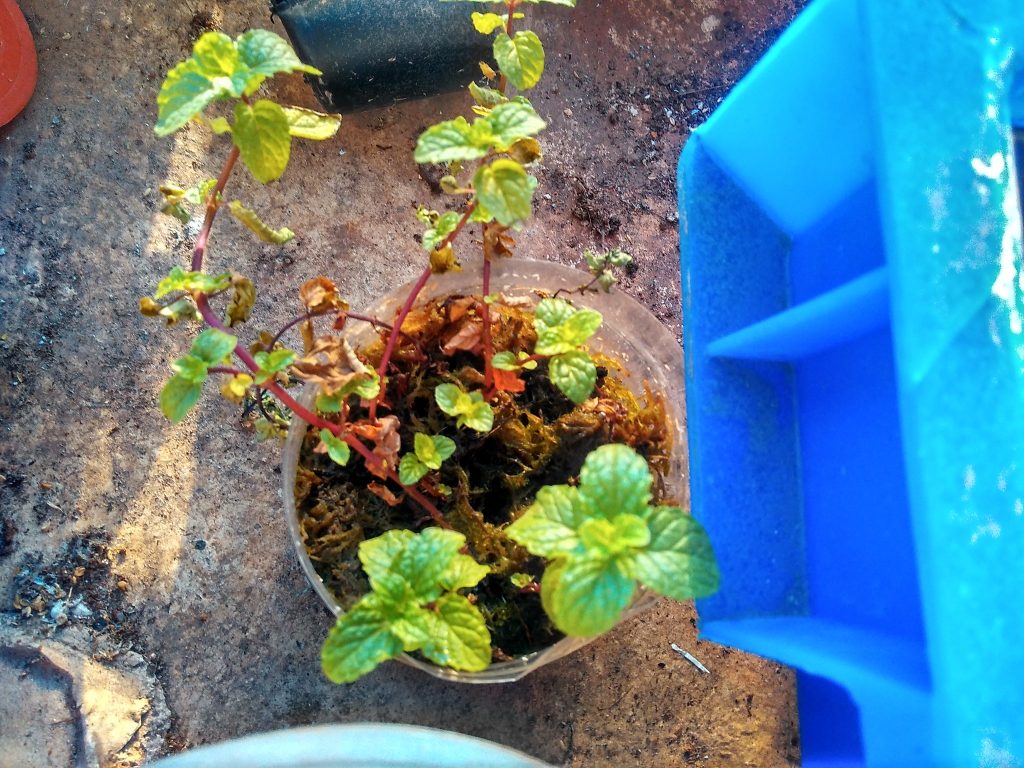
[{"x": 539, "y": 438}]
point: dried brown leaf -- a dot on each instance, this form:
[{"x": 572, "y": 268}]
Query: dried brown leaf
[
  {"x": 385, "y": 493},
  {"x": 468, "y": 337},
  {"x": 321, "y": 295}
]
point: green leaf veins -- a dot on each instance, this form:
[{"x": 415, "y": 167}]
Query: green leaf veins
[
  {"x": 603, "y": 537},
  {"x": 414, "y": 605}
]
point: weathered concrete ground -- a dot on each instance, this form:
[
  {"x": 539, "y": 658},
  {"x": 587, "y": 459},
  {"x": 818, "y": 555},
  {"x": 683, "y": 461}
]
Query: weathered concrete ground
[{"x": 136, "y": 551}]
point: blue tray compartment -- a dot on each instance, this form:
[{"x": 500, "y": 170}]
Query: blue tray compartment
[{"x": 851, "y": 254}]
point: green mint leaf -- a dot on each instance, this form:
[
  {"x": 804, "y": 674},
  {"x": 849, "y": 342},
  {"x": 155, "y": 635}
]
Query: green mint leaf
[
  {"x": 562, "y": 328},
  {"x": 460, "y": 639},
  {"x": 448, "y": 142},
  {"x": 444, "y": 446},
  {"x": 414, "y": 627},
  {"x": 191, "y": 368},
  {"x": 479, "y": 416},
  {"x": 480, "y": 214},
  {"x": 526, "y": 363},
  {"x": 272, "y": 363},
  {"x": 193, "y": 282},
  {"x": 197, "y": 195},
  {"x": 521, "y": 58},
  {"x": 520, "y": 580},
  {"x": 337, "y": 448},
  {"x": 219, "y": 125},
  {"x": 678, "y": 562},
  {"x": 426, "y": 451},
  {"x": 450, "y": 398},
  {"x": 615, "y": 481},
  {"x": 379, "y": 557},
  {"x": 506, "y": 191},
  {"x": 585, "y": 597},
  {"x": 426, "y": 559},
  {"x": 212, "y": 346},
  {"x": 359, "y": 641},
  {"x": 442, "y": 227},
  {"x": 264, "y": 54},
  {"x": 581, "y": 325},
  {"x": 432, "y": 450},
  {"x": 462, "y": 573},
  {"x": 604, "y": 538},
  {"x": 191, "y": 85},
  {"x": 505, "y": 361},
  {"x": 486, "y": 97},
  {"x": 402, "y": 565},
  {"x": 308, "y": 124},
  {"x": 486, "y": 23},
  {"x": 411, "y": 470},
  {"x": 514, "y": 121},
  {"x": 178, "y": 396},
  {"x": 366, "y": 385},
  {"x": 263, "y": 138},
  {"x": 548, "y": 527},
  {"x": 329, "y": 403},
  {"x": 469, "y": 410},
  {"x": 551, "y": 313},
  {"x": 250, "y": 219},
  {"x": 575, "y": 374}
]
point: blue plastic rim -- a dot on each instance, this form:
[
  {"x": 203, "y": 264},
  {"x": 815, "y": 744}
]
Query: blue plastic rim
[{"x": 854, "y": 334}]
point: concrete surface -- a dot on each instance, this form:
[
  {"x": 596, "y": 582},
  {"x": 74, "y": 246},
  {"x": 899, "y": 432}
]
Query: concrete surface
[{"x": 165, "y": 546}]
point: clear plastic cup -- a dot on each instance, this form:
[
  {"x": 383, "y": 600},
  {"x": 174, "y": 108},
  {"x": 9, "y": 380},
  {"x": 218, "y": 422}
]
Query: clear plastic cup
[{"x": 629, "y": 333}]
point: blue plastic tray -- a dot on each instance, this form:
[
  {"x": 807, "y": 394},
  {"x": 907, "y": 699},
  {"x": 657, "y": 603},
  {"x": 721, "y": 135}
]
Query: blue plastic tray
[{"x": 853, "y": 308}]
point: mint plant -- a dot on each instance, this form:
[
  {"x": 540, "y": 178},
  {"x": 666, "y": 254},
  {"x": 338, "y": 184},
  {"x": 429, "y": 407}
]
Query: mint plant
[
  {"x": 429, "y": 452},
  {"x": 603, "y": 537},
  {"x": 448, "y": 382},
  {"x": 469, "y": 408},
  {"x": 415, "y": 604}
]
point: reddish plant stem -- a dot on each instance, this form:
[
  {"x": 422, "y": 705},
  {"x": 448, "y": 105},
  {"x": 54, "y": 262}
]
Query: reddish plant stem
[
  {"x": 486, "y": 315},
  {"x": 371, "y": 320},
  {"x": 211, "y": 210},
  {"x": 295, "y": 321},
  {"x": 352, "y": 315},
  {"x": 410, "y": 300}
]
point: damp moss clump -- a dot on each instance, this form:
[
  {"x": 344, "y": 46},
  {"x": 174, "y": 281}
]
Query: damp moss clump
[{"x": 539, "y": 437}]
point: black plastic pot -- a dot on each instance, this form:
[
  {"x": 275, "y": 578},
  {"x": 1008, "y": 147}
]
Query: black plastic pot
[{"x": 377, "y": 52}]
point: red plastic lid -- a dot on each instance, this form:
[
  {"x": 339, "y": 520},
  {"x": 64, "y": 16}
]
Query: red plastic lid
[{"x": 17, "y": 62}]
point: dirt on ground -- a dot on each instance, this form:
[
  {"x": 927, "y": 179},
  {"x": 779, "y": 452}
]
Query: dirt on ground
[{"x": 150, "y": 558}]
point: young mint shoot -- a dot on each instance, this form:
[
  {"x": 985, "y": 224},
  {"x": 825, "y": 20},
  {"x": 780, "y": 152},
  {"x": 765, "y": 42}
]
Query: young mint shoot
[
  {"x": 601, "y": 266},
  {"x": 429, "y": 452},
  {"x": 183, "y": 389},
  {"x": 336, "y": 448},
  {"x": 603, "y": 537},
  {"x": 272, "y": 363},
  {"x": 561, "y": 331},
  {"x": 414, "y": 605},
  {"x": 221, "y": 69},
  {"x": 469, "y": 409}
]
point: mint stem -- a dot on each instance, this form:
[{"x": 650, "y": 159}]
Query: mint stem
[
  {"x": 410, "y": 300},
  {"x": 211, "y": 210}
]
